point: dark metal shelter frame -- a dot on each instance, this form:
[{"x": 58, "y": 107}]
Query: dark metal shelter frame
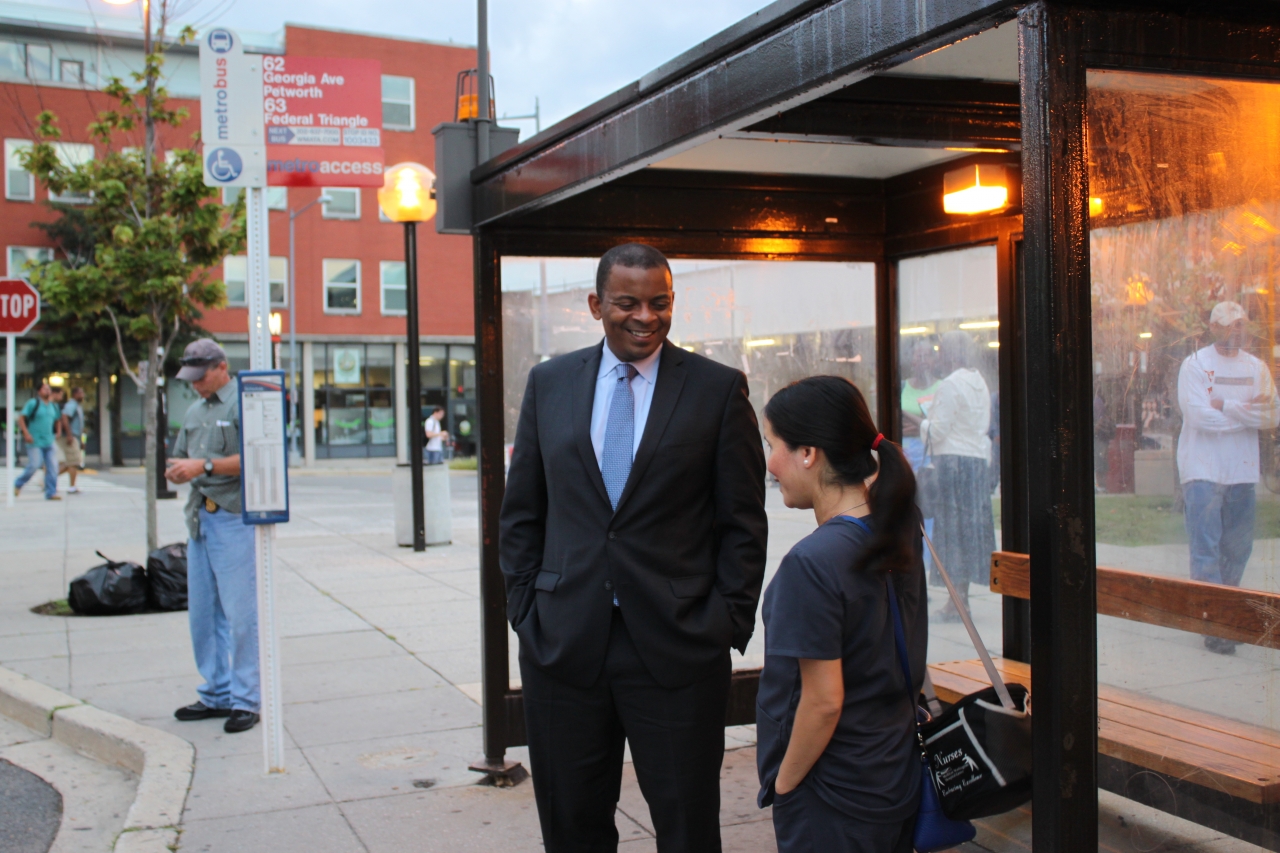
[{"x": 824, "y": 71}]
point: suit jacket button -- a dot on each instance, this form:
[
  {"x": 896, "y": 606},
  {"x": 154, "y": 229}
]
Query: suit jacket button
[
  {"x": 608, "y": 584},
  {"x": 612, "y": 535}
]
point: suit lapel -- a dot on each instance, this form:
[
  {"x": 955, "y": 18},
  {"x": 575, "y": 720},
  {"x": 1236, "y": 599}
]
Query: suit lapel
[
  {"x": 584, "y": 393},
  {"x": 670, "y": 381}
]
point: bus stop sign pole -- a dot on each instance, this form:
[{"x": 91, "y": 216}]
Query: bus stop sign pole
[
  {"x": 19, "y": 313},
  {"x": 231, "y": 101}
]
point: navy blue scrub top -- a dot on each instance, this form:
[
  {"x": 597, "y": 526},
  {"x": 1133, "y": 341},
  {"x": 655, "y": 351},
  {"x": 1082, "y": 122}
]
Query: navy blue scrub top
[{"x": 819, "y": 607}]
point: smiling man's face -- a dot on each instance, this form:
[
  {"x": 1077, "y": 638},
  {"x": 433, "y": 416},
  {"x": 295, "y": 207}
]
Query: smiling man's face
[{"x": 635, "y": 310}]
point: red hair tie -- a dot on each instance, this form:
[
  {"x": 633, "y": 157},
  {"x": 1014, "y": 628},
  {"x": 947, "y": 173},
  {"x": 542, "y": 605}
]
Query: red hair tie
[{"x": 875, "y": 445}]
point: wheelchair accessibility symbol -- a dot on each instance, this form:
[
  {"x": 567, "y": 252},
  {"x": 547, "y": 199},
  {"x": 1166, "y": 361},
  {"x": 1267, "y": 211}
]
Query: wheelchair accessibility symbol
[{"x": 224, "y": 164}]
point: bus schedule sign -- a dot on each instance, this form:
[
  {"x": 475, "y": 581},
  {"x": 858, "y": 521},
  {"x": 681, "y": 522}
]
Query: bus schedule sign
[{"x": 323, "y": 121}]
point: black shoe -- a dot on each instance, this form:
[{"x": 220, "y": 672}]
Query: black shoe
[
  {"x": 1218, "y": 645},
  {"x": 200, "y": 711},
  {"x": 240, "y": 721}
]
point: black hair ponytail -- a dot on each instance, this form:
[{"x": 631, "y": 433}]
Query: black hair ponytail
[{"x": 830, "y": 412}]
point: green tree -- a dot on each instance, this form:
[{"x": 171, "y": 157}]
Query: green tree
[{"x": 157, "y": 231}]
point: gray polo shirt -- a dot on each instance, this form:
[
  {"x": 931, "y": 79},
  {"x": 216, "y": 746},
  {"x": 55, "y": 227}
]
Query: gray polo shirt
[{"x": 211, "y": 430}]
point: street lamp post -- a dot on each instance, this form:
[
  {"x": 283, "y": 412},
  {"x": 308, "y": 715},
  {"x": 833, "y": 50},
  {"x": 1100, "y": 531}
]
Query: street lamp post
[
  {"x": 408, "y": 196},
  {"x": 295, "y": 398}
]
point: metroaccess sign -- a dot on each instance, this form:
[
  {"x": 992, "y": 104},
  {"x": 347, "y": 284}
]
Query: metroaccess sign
[
  {"x": 323, "y": 121},
  {"x": 19, "y": 307}
]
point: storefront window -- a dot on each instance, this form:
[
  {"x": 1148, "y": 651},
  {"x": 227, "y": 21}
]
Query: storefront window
[
  {"x": 355, "y": 400},
  {"x": 1184, "y": 185}
]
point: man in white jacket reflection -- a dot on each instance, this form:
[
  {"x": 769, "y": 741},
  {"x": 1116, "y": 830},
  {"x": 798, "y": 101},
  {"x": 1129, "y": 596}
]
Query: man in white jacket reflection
[{"x": 1226, "y": 396}]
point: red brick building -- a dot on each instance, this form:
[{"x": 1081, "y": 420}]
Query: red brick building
[{"x": 350, "y": 273}]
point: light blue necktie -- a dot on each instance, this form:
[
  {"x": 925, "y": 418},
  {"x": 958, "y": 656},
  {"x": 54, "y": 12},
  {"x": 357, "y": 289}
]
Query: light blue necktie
[{"x": 619, "y": 435}]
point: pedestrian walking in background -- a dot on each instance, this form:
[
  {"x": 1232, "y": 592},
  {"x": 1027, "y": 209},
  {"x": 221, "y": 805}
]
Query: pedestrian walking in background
[
  {"x": 436, "y": 436},
  {"x": 835, "y": 724},
  {"x": 221, "y": 569},
  {"x": 632, "y": 543},
  {"x": 1226, "y": 396},
  {"x": 72, "y": 437},
  {"x": 957, "y": 433},
  {"x": 37, "y": 421}
]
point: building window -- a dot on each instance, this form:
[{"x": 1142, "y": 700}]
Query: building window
[
  {"x": 20, "y": 256},
  {"x": 391, "y": 276},
  {"x": 341, "y": 286},
  {"x": 235, "y": 274},
  {"x": 72, "y": 154},
  {"x": 70, "y": 71},
  {"x": 34, "y": 61},
  {"x": 13, "y": 59},
  {"x": 277, "y": 197},
  {"x": 39, "y": 62},
  {"x": 397, "y": 103},
  {"x": 342, "y": 204},
  {"x": 19, "y": 184}
]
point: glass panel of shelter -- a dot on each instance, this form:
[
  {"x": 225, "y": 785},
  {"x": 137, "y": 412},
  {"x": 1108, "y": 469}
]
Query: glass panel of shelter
[
  {"x": 1184, "y": 204},
  {"x": 948, "y": 342},
  {"x": 777, "y": 321}
]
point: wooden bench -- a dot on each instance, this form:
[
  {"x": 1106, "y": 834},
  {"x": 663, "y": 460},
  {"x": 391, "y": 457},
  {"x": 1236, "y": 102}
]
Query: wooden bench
[{"x": 1208, "y": 769}]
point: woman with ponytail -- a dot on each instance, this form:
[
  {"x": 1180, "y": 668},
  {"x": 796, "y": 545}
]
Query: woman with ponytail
[{"x": 836, "y": 732}]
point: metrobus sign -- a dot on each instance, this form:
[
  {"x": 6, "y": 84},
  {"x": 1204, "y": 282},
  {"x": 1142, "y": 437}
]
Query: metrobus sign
[{"x": 19, "y": 307}]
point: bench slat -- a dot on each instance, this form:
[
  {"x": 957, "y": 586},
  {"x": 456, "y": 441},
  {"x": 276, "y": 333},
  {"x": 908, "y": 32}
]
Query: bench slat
[
  {"x": 1236, "y": 758},
  {"x": 1243, "y": 615}
]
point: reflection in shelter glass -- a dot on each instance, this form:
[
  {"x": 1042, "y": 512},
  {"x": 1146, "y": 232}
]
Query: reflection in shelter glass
[
  {"x": 948, "y": 351},
  {"x": 776, "y": 321},
  {"x": 1184, "y": 183}
]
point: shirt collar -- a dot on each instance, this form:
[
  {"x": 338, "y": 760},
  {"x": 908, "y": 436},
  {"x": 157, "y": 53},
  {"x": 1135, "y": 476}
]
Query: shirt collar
[
  {"x": 224, "y": 393},
  {"x": 646, "y": 367}
]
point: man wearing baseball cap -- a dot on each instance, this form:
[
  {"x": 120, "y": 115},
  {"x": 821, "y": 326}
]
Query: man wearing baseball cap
[
  {"x": 1226, "y": 396},
  {"x": 221, "y": 572}
]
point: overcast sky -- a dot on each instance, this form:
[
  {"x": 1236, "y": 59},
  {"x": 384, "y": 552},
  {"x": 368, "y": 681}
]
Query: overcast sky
[{"x": 568, "y": 53}]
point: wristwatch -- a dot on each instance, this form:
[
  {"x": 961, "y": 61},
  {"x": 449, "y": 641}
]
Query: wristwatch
[{"x": 208, "y": 466}]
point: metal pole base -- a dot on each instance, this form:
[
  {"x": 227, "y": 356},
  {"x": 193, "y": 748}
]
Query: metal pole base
[{"x": 503, "y": 774}]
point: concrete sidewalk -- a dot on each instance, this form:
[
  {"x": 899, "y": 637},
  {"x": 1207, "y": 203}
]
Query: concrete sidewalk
[
  {"x": 381, "y": 666},
  {"x": 381, "y": 670}
]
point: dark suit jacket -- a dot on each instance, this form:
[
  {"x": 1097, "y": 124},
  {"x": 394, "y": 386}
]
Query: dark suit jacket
[{"x": 685, "y": 550}]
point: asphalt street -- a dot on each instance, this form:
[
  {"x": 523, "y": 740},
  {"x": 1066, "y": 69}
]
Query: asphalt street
[{"x": 30, "y": 811}]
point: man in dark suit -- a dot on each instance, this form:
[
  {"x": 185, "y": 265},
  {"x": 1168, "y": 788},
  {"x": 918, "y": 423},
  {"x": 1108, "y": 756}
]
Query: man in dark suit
[{"x": 633, "y": 546}]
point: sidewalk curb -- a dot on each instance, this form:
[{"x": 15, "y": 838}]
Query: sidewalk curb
[{"x": 163, "y": 762}]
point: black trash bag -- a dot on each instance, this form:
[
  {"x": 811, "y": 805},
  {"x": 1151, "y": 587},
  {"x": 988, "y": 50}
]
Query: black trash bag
[
  {"x": 111, "y": 589},
  {"x": 167, "y": 577}
]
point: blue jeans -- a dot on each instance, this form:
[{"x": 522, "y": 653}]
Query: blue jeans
[
  {"x": 36, "y": 456},
  {"x": 1220, "y": 529},
  {"x": 435, "y": 457},
  {"x": 222, "y": 596}
]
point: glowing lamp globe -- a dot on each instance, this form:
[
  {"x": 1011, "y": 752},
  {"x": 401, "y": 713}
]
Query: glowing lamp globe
[
  {"x": 408, "y": 193},
  {"x": 975, "y": 189}
]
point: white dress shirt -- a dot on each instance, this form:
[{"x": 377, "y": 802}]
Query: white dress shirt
[
  {"x": 959, "y": 417},
  {"x": 1222, "y": 446},
  {"x": 641, "y": 388}
]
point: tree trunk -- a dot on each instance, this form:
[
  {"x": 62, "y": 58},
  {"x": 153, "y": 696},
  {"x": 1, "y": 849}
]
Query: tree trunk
[
  {"x": 104, "y": 414},
  {"x": 149, "y": 447}
]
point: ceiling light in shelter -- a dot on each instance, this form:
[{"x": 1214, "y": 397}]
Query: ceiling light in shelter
[{"x": 975, "y": 189}]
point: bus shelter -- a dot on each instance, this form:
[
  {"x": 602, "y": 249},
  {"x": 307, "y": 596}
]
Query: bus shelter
[{"x": 1068, "y": 189}]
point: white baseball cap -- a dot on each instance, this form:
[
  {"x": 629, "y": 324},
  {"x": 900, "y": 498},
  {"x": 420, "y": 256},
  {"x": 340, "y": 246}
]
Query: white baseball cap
[{"x": 1226, "y": 313}]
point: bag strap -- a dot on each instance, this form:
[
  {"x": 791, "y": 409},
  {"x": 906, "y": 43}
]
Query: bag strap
[
  {"x": 899, "y": 635},
  {"x": 996, "y": 681}
]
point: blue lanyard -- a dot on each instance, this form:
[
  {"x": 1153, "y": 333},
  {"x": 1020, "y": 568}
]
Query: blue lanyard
[{"x": 866, "y": 527}]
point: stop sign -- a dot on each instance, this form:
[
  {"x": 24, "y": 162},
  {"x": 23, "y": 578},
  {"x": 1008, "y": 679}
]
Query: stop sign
[{"x": 19, "y": 306}]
